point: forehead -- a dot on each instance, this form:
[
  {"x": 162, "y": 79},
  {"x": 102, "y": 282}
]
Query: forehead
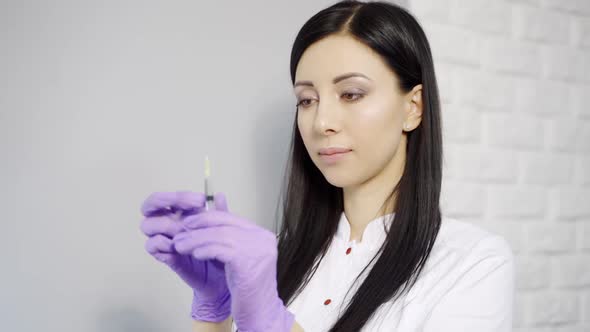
[{"x": 337, "y": 54}]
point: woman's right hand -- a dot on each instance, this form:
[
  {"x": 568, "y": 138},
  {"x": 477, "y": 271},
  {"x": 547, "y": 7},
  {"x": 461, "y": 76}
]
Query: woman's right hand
[{"x": 211, "y": 297}]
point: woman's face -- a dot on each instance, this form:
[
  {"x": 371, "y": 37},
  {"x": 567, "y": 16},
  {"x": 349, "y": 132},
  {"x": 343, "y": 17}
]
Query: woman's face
[{"x": 363, "y": 114}]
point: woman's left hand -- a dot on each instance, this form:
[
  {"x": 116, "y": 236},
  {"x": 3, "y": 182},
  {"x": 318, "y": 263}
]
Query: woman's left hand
[{"x": 250, "y": 256}]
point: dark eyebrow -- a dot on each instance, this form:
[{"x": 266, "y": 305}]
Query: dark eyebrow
[{"x": 335, "y": 80}]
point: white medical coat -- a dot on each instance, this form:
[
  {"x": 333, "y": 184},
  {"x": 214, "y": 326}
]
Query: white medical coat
[{"x": 467, "y": 283}]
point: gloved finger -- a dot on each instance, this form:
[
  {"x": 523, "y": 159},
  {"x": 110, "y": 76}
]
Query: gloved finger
[
  {"x": 179, "y": 200},
  {"x": 161, "y": 225},
  {"x": 165, "y": 258},
  {"x": 213, "y": 251},
  {"x": 220, "y": 202},
  {"x": 191, "y": 240},
  {"x": 159, "y": 244}
]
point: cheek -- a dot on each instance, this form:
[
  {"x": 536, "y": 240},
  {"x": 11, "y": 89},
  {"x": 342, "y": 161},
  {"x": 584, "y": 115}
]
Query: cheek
[
  {"x": 376, "y": 125},
  {"x": 377, "y": 136},
  {"x": 378, "y": 142},
  {"x": 304, "y": 129},
  {"x": 302, "y": 126}
]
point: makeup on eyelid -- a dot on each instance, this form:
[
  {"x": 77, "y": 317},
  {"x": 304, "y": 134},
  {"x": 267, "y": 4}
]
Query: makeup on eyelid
[
  {"x": 354, "y": 80},
  {"x": 354, "y": 97},
  {"x": 355, "y": 91}
]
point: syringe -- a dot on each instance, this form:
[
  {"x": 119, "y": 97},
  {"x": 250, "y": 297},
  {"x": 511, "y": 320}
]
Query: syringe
[
  {"x": 208, "y": 192},
  {"x": 209, "y": 199}
]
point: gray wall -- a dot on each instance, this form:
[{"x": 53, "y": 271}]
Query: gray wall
[{"x": 102, "y": 103}]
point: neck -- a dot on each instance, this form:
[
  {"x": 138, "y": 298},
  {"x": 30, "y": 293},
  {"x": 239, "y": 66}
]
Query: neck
[{"x": 365, "y": 202}]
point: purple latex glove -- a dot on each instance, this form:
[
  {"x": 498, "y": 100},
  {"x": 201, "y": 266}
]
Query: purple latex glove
[
  {"x": 250, "y": 256},
  {"x": 211, "y": 297}
]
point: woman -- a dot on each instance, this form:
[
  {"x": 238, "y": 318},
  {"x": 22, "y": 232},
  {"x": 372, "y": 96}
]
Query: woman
[{"x": 362, "y": 244}]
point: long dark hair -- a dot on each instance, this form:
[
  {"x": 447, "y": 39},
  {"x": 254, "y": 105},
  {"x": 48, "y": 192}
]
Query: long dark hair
[{"x": 311, "y": 207}]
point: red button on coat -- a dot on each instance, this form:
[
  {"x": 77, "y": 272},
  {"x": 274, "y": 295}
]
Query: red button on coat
[
  {"x": 327, "y": 302},
  {"x": 348, "y": 250}
]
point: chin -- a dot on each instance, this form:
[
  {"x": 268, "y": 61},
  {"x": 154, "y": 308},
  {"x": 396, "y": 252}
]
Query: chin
[{"x": 340, "y": 179}]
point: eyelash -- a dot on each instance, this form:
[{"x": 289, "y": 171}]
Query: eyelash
[{"x": 360, "y": 95}]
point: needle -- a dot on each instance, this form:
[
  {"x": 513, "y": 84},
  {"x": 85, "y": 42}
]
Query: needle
[
  {"x": 208, "y": 191},
  {"x": 209, "y": 200}
]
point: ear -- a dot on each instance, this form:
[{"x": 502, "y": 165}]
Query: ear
[{"x": 414, "y": 108}]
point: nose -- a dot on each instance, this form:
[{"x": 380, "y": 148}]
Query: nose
[{"x": 327, "y": 118}]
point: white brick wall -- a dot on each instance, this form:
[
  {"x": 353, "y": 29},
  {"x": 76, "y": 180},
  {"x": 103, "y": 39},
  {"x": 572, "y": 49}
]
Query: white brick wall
[{"x": 514, "y": 78}]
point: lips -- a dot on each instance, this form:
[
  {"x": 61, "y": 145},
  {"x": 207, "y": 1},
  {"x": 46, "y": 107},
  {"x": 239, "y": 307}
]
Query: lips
[{"x": 333, "y": 150}]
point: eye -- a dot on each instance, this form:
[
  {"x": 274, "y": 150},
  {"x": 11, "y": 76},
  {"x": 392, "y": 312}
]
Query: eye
[
  {"x": 302, "y": 102},
  {"x": 355, "y": 96},
  {"x": 358, "y": 95}
]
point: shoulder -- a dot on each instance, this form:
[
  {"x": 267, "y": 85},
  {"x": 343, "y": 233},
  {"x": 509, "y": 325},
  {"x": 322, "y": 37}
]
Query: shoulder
[
  {"x": 467, "y": 239},
  {"x": 462, "y": 252},
  {"x": 470, "y": 281},
  {"x": 465, "y": 257}
]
